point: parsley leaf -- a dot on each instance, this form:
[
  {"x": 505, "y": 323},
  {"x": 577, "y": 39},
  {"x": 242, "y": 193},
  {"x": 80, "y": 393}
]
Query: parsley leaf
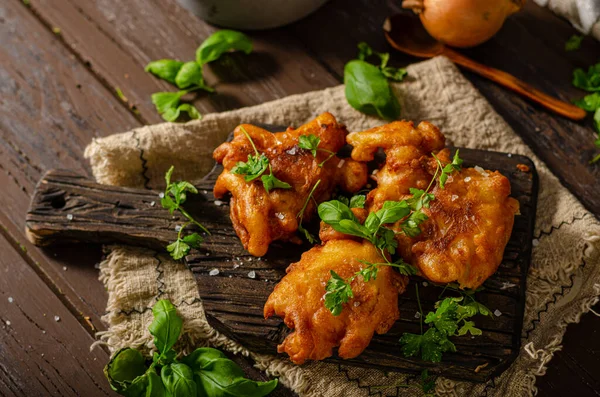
[
  {"x": 430, "y": 345},
  {"x": 357, "y": 201},
  {"x": 469, "y": 326},
  {"x": 589, "y": 102},
  {"x": 574, "y": 43},
  {"x": 178, "y": 249},
  {"x": 365, "y": 51},
  {"x": 339, "y": 291},
  {"x": 444, "y": 318},
  {"x": 271, "y": 182},
  {"x": 309, "y": 142},
  {"x": 589, "y": 81},
  {"x": 253, "y": 168}
]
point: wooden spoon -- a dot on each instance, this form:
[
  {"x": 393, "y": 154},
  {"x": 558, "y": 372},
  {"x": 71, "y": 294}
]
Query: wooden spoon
[{"x": 406, "y": 33}]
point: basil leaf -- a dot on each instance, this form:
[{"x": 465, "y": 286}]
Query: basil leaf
[
  {"x": 393, "y": 211},
  {"x": 368, "y": 90},
  {"x": 155, "y": 386},
  {"x": 125, "y": 372},
  {"x": 220, "y": 42},
  {"x": 217, "y": 376},
  {"x": 166, "y": 326},
  {"x": 271, "y": 182},
  {"x": 332, "y": 212},
  {"x": 190, "y": 74},
  {"x": 172, "y": 114},
  {"x": 166, "y": 100},
  {"x": 165, "y": 69},
  {"x": 352, "y": 228},
  {"x": 178, "y": 380}
]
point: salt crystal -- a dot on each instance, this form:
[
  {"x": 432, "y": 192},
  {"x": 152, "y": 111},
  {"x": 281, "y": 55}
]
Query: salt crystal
[
  {"x": 509, "y": 155},
  {"x": 375, "y": 171},
  {"x": 161, "y": 195},
  {"x": 213, "y": 272},
  {"x": 507, "y": 285},
  {"x": 7, "y": 322},
  {"x": 177, "y": 228},
  {"x": 481, "y": 170},
  {"x": 341, "y": 163},
  {"x": 205, "y": 192},
  {"x": 293, "y": 151},
  {"x": 218, "y": 203},
  {"x": 43, "y": 331},
  {"x": 425, "y": 284},
  {"x": 70, "y": 217},
  {"x": 56, "y": 318},
  {"x": 417, "y": 315},
  {"x": 497, "y": 313},
  {"x": 152, "y": 203},
  {"x": 208, "y": 254},
  {"x": 65, "y": 268},
  {"x": 10, "y": 299},
  {"x": 356, "y": 304},
  {"x": 249, "y": 259},
  {"x": 467, "y": 179},
  {"x": 280, "y": 215},
  {"x": 97, "y": 266},
  {"x": 252, "y": 274},
  {"x": 230, "y": 276},
  {"x": 535, "y": 242},
  {"x": 454, "y": 197},
  {"x": 42, "y": 354}
]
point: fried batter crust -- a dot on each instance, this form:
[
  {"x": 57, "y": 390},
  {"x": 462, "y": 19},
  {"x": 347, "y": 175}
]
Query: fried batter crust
[
  {"x": 260, "y": 218},
  {"x": 298, "y": 299}
]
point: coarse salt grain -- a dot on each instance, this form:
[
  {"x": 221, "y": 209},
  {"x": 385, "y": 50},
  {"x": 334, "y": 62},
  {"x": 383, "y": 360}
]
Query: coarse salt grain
[
  {"x": 375, "y": 171},
  {"x": 417, "y": 315},
  {"x": 509, "y": 155},
  {"x": 218, "y": 203},
  {"x": 236, "y": 265},
  {"x": 535, "y": 242},
  {"x": 65, "y": 268},
  {"x": 425, "y": 284},
  {"x": 507, "y": 285},
  {"x": 356, "y": 304},
  {"x": 10, "y": 299},
  {"x": 205, "y": 192},
  {"x": 207, "y": 254},
  {"x": 497, "y": 313},
  {"x": 280, "y": 215},
  {"x": 7, "y": 322},
  {"x": 293, "y": 151},
  {"x": 177, "y": 228},
  {"x": 56, "y": 318},
  {"x": 152, "y": 203},
  {"x": 70, "y": 217},
  {"x": 467, "y": 179},
  {"x": 341, "y": 163},
  {"x": 213, "y": 272},
  {"x": 252, "y": 274},
  {"x": 481, "y": 170},
  {"x": 454, "y": 197},
  {"x": 161, "y": 195}
]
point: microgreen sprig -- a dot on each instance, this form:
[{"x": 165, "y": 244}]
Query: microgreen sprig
[
  {"x": 311, "y": 239},
  {"x": 174, "y": 196},
  {"x": 256, "y": 166},
  {"x": 311, "y": 142}
]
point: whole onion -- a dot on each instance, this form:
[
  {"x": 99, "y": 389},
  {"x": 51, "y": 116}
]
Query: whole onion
[{"x": 463, "y": 23}]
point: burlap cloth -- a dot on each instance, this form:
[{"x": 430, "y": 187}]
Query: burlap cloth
[{"x": 563, "y": 282}]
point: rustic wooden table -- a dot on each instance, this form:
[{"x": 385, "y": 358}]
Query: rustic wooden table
[{"x": 61, "y": 64}]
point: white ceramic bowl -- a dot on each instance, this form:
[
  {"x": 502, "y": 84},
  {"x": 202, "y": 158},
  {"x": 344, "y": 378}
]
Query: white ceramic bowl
[{"x": 251, "y": 14}]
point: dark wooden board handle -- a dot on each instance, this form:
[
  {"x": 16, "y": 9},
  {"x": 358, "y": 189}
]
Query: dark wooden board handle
[{"x": 67, "y": 207}]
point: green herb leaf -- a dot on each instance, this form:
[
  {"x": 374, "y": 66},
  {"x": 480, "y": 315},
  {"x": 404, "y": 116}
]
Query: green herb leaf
[
  {"x": 221, "y": 42},
  {"x": 420, "y": 199},
  {"x": 165, "y": 69},
  {"x": 190, "y": 74},
  {"x": 574, "y": 43},
  {"x": 217, "y": 376},
  {"x": 597, "y": 122},
  {"x": 364, "y": 52},
  {"x": 193, "y": 240},
  {"x": 166, "y": 100},
  {"x": 410, "y": 226},
  {"x": 445, "y": 317},
  {"x": 590, "y": 102},
  {"x": 339, "y": 291},
  {"x": 589, "y": 81},
  {"x": 332, "y": 212},
  {"x": 368, "y": 90},
  {"x": 369, "y": 272},
  {"x": 271, "y": 182},
  {"x": 124, "y": 368},
  {"x": 469, "y": 326},
  {"x": 396, "y": 74},
  {"x": 166, "y": 326},
  {"x": 253, "y": 168},
  {"x": 178, "y": 379},
  {"x": 404, "y": 268},
  {"x": 430, "y": 345},
  {"x": 358, "y": 201},
  {"x": 309, "y": 142},
  {"x": 155, "y": 386},
  {"x": 309, "y": 237},
  {"x": 173, "y": 114}
]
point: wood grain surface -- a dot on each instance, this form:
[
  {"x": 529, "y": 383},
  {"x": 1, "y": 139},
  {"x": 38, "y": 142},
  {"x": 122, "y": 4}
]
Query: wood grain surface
[{"x": 58, "y": 91}]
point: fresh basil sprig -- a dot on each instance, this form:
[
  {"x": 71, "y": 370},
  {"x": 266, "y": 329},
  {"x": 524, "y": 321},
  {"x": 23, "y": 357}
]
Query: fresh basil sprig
[
  {"x": 206, "y": 372},
  {"x": 367, "y": 87},
  {"x": 172, "y": 199},
  {"x": 256, "y": 166},
  {"x": 188, "y": 76}
]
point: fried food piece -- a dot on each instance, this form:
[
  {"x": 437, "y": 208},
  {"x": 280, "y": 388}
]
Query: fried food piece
[
  {"x": 408, "y": 158},
  {"x": 298, "y": 299},
  {"x": 469, "y": 225},
  {"x": 260, "y": 217},
  {"x": 470, "y": 221}
]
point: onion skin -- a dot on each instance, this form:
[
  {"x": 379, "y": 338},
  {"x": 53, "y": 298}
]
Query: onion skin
[{"x": 464, "y": 23}]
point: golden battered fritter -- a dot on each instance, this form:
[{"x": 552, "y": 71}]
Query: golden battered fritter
[
  {"x": 260, "y": 217},
  {"x": 298, "y": 299}
]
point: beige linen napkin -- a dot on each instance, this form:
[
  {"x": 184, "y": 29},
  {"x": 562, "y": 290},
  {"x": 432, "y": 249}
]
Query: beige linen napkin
[{"x": 563, "y": 281}]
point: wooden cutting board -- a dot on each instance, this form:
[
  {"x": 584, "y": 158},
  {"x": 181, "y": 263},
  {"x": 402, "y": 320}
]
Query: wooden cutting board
[{"x": 70, "y": 208}]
